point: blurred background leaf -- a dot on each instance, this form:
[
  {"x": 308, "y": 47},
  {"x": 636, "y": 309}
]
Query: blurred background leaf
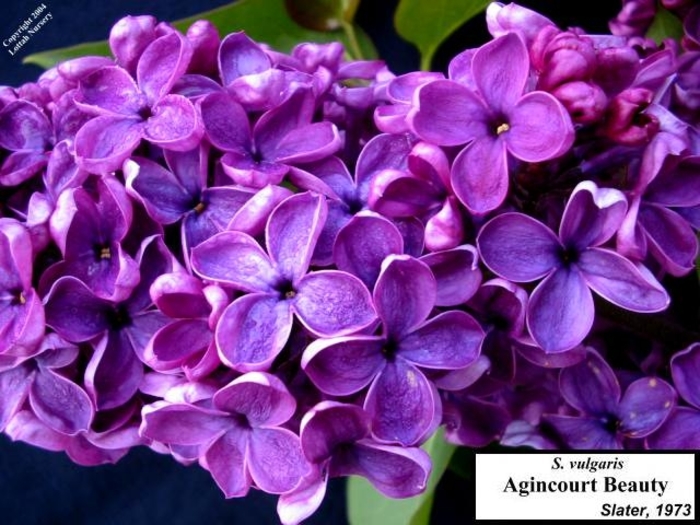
[
  {"x": 427, "y": 23},
  {"x": 266, "y": 21}
]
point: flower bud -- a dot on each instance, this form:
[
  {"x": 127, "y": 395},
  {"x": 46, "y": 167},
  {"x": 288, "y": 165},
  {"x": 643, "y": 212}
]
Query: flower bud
[
  {"x": 205, "y": 41},
  {"x": 129, "y": 37},
  {"x": 584, "y": 101},
  {"x": 626, "y": 122}
]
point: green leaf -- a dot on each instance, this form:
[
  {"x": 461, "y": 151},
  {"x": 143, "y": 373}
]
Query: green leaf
[
  {"x": 263, "y": 20},
  {"x": 322, "y": 15},
  {"x": 665, "y": 25},
  {"x": 427, "y": 23},
  {"x": 366, "y": 506}
]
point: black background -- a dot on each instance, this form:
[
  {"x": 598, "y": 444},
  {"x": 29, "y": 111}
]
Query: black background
[{"x": 39, "y": 487}]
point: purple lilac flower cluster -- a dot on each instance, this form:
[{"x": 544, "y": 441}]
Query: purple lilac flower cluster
[{"x": 290, "y": 267}]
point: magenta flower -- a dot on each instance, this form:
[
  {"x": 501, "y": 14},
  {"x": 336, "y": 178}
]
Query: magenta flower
[
  {"x": 390, "y": 363},
  {"x": 129, "y": 111},
  {"x": 240, "y": 436},
  {"x": 57, "y": 401},
  {"x": 496, "y": 120},
  {"x": 119, "y": 330},
  {"x": 21, "y": 311},
  {"x": 606, "y": 416},
  {"x": 27, "y": 133},
  {"x": 256, "y": 326},
  {"x": 560, "y": 312}
]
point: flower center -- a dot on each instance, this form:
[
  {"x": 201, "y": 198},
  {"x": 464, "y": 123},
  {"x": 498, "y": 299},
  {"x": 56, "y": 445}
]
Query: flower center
[
  {"x": 286, "y": 290},
  {"x": 502, "y": 128},
  {"x": 118, "y": 317},
  {"x": 389, "y": 350},
  {"x": 145, "y": 113},
  {"x": 569, "y": 256},
  {"x": 18, "y": 298},
  {"x": 200, "y": 207},
  {"x": 102, "y": 252}
]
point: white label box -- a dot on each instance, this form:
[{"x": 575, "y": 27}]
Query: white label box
[{"x": 585, "y": 486}]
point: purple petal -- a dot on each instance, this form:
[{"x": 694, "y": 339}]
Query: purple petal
[
  {"x": 262, "y": 398},
  {"x": 183, "y": 424},
  {"x": 114, "y": 373},
  {"x": 540, "y": 128},
  {"x": 14, "y": 387},
  {"x": 239, "y": 56},
  {"x": 396, "y": 472},
  {"x": 448, "y": 114},
  {"x": 457, "y": 274},
  {"x": 404, "y": 294},
  {"x": 445, "y": 229},
  {"x": 275, "y": 460},
  {"x": 74, "y": 311},
  {"x": 480, "y": 174},
  {"x": 252, "y": 215},
  {"x": 332, "y": 303},
  {"x": 592, "y": 215},
  {"x": 363, "y": 243},
  {"x": 164, "y": 197},
  {"x": 252, "y": 331},
  {"x": 109, "y": 91},
  {"x": 60, "y": 404},
  {"x": 582, "y": 433},
  {"x": 500, "y": 70},
  {"x": 475, "y": 423},
  {"x": 405, "y": 407},
  {"x": 300, "y": 503},
  {"x": 330, "y": 424},
  {"x": 226, "y": 123},
  {"x": 619, "y": 281},
  {"x": 644, "y": 407},
  {"x": 670, "y": 238},
  {"x": 23, "y": 126},
  {"x": 234, "y": 258},
  {"x": 308, "y": 143},
  {"x": 385, "y": 151},
  {"x": 20, "y": 166},
  {"x": 448, "y": 341},
  {"x": 174, "y": 125},
  {"x": 680, "y": 431},
  {"x": 178, "y": 341},
  {"x": 590, "y": 386},
  {"x": 344, "y": 365},
  {"x": 226, "y": 460},
  {"x": 104, "y": 143},
  {"x": 163, "y": 62},
  {"x": 275, "y": 125},
  {"x": 518, "y": 248},
  {"x": 179, "y": 295},
  {"x": 685, "y": 369},
  {"x": 560, "y": 312},
  {"x": 292, "y": 232}
]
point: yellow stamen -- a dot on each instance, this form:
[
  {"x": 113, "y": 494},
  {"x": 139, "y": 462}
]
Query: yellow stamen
[
  {"x": 105, "y": 253},
  {"x": 199, "y": 208},
  {"x": 502, "y": 128}
]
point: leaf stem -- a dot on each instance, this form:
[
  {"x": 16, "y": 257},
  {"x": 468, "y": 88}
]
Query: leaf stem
[{"x": 353, "y": 44}]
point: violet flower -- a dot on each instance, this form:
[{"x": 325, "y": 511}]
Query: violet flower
[
  {"x": 283, "y": 136},
  {"x": 499, "y": 118},
  {"x": 21, "y": 312},
  {"x": 58, "y": 402},
  {"x": 26, "y": 132},
  {"x": 129, "y": 111},
  {"x": 336, "y": 436},
  {"x": 606, "y": 415},
  {"x": 560, "y": 311},
  {"x": 256, "y": 326},
  {"x": 119, "y": 330},
  {"x": 390, "y": 363},
  {"x": 240, "y": 436}
]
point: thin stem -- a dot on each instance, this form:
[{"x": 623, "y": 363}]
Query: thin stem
[{"x": 353, "y": 43}]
